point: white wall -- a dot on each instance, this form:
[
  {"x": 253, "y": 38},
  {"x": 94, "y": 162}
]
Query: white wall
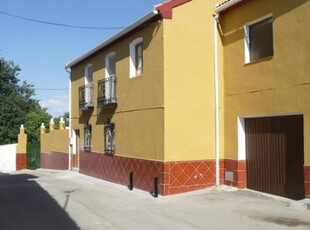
[{"x": 8, "y": 158}]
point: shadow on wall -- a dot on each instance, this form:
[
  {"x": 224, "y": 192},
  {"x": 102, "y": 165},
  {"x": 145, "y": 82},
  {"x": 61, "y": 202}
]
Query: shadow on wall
[{"x": 25, "y": 205}]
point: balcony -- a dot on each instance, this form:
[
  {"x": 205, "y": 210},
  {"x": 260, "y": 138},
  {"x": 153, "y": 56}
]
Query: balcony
[
  {"x": 107, "y": 92},
  {"x": 86, "y": 97}
]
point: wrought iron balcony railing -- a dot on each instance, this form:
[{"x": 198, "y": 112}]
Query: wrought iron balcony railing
[
  {"x": 107, "y": 92},
  {"x": 86, "y": 97}
]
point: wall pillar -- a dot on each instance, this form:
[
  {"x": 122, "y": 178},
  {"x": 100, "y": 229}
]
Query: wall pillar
[
  {"x": 61, "y": 124},
  {"x": 21, "y": 149},
  {"x": 52, "y": 125}
]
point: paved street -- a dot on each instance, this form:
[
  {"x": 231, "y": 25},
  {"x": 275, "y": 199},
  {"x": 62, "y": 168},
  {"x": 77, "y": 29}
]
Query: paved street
[{"x": 47, "y": 199}]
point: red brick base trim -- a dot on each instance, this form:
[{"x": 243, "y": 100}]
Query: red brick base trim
[
  {"x": 55, "y": 160},
  {"x": 188, "y": 176},
  {"x": 238, "y": 170},
  {"x": 117, "y": 169},
  {"x": 307, "y": 181},
  {"x": 20, "y": 161},
  {"x": 173, "y": 177}
]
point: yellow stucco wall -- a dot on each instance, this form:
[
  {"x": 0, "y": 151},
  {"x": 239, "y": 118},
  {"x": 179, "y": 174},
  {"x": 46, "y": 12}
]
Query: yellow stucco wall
[
  {"x": 139, "y": 115},
  {"x": 56, "y": 140},
  {"x": 275, "y": 85},
  {"x": 189, "y": 83}
]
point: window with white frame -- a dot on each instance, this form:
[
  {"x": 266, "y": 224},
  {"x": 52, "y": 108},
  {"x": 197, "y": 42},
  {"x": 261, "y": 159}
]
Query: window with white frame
[
  {"x": 109, "y": 87},
  {"x": 259, "y": 39},
  {"x": 86, "y": 91},
  {"x": 136, "y": 57}
]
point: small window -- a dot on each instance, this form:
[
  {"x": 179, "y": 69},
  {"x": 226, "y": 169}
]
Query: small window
[
  {"x": 87, "y": 137},
  {"x": 259, "y": 39},
  {"x": 136, "y": 57},
  {"x": 109, "y": 137}
]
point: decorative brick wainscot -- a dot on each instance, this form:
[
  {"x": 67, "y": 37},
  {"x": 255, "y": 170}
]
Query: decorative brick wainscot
[
  {"x": 173, "y": 177},
  {"x": 233, "y": 172},
  {"x": 186, "y": 176},
  {"x": 55, "y": 160},
  {"x": 117, "y": 169},
  {"x": 307, "y": 181}
]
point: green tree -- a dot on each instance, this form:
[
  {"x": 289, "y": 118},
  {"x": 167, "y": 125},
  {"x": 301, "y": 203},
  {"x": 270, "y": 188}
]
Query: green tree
[
  {"x": 15, "y": 101},
  {"x": 33, "y": 123}
]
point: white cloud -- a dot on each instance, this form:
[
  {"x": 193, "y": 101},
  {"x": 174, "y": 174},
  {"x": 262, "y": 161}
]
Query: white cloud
[{"x": 56, "y": 106}]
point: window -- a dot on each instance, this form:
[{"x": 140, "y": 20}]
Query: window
[
  {"x": 87, "y": 137},
  {"x": 89, "y": 74},
  {"x": 139, "y": 58},
  {"x": 109, "y": 137},
  {"x": 136, "y": 57},
  {"x": 259, "y": 39},
  {"x": 110, "y": 62},
  {"x": 88, "y": 88},
  {"x": 107, "y": 86}
]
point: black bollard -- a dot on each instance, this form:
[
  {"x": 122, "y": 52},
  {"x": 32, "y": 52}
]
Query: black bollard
[
  {"x": 131, "y": 181},
  {"x": 155, "y": 187}
]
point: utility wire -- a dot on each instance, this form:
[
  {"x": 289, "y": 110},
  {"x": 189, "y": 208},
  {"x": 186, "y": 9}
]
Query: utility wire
[
  {"x": 51, "y": 89},
  {"x": 61, "y": 24}
]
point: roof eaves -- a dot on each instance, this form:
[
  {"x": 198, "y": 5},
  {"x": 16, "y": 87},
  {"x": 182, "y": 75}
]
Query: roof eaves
[
  {"x": 225, "y": 5},
  {"x": 112, "y": 39}
]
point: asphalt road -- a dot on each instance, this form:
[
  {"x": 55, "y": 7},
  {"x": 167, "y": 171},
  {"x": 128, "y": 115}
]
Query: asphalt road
[{"x": 49, "y": 199}]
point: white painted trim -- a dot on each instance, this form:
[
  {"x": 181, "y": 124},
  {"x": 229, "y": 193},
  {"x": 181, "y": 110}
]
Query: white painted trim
[
  {"x": 247, "y": 36},
  {"x": 241, "y": 139},
  {"x": 112, "y": 39},
  {"x": 132, "y": 56},
  {"x": 107, "y": 63},
  {"x": 73, "y": 142}
]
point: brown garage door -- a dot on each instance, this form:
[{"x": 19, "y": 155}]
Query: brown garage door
[{"x": 275, "y": 155}]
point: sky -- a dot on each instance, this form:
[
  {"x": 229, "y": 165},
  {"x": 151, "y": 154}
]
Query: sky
[{"x": 42, "y": 50}]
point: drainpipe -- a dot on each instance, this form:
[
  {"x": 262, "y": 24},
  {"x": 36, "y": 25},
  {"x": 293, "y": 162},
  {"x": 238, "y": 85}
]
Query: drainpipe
[
  {"x": 70, "y": 138},
  {"x": 216, "y": 89}
]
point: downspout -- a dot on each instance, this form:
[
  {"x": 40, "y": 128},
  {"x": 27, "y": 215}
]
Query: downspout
[
  {"x": 70, "y": 138},
  {"x": 216, "y": 89}
]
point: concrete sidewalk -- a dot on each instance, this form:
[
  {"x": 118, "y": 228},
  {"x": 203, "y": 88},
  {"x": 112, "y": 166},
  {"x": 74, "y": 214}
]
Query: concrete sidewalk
[{"x": 50, "y": 199}]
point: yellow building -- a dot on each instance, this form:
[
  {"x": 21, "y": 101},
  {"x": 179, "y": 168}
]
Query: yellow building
[
  {"x": 197, "y": 94},
  {"x": 142, "y": 102},
  {"x": 266, "y": 95}
]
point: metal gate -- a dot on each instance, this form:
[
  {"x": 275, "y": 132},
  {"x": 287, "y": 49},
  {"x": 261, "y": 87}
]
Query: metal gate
[
  {"x": 275, "y": 155},
  {"x": 33, "y": 156}
]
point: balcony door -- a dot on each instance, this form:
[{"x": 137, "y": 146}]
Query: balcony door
[
  {"x": 88, "y": 84},
  {"x": 110, "y": 76}
]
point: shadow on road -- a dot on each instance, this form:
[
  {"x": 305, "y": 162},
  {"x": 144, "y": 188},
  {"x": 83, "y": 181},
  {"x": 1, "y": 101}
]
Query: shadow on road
[{"x": 25, "y": 205}]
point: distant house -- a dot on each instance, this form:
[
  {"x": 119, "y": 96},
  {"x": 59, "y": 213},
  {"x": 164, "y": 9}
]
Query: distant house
[{"x": 198, "y": 94}]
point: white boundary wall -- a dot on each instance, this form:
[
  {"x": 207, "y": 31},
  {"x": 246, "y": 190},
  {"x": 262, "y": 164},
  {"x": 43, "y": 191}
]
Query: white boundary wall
[{"x": 8, "y": 158}]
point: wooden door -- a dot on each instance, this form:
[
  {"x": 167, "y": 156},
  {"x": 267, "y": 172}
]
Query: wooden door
[{"x": 275, "y": 155}]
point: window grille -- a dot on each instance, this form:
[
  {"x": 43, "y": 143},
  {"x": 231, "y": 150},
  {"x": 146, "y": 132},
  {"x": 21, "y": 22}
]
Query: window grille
[
  {"x": 87, "y": 137},
  {"x": 109, "y": 136}
]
